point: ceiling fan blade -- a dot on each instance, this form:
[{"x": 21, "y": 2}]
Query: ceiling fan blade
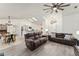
[
  {"x": 65, "y": 5},
  {"x": 61, "y": 4},
  {"x": 53, "y": 4},
  {"x": 47, "y": 5},
  {"x": 57, "y": 4},
  {"x": 46, "y": 8},
  {"x": 61, "y": 9},
  {"x": 47, "y": 11},
  {"x": 75, "y": 6}
]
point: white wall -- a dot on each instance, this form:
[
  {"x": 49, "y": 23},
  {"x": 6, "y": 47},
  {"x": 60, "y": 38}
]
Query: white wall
[
  {"x": 56, "y": 27},
  {"x": 71, "y": 21}
]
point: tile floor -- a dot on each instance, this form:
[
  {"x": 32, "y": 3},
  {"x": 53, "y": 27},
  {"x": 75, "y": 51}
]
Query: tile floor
[{"x": 47, "y": 49}]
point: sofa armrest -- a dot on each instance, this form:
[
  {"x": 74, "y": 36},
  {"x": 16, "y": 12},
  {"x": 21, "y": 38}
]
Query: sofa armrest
[{"x": 29, "y": 42}]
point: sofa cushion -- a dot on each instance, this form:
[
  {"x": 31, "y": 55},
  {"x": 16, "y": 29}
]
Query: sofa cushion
[
  {"x": 60, "y": 35},
  {"x": 36, "y": 37},
  {"x": 67, "y": 37},
  {"x": 28, "y": 35},
  {"x": 37, "y": 42},
  {"x": 43, "y": 39},
  {"x": 31, "y": 38}
]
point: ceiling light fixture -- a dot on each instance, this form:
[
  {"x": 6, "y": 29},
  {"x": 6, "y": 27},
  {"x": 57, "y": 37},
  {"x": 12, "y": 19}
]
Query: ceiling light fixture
[
  {"x": 33, "y": 18},
  {"x": 9, "y": 21},
  {"x": 55, "y": 7}
]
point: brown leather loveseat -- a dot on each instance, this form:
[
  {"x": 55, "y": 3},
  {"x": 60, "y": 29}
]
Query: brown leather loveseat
[{"x": 34, "y": 40}]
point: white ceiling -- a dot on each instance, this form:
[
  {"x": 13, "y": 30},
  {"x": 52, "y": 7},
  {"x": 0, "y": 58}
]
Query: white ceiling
[
  {"x": 71, "y": 10},
  {"x": 22, "y": 11},
  {"x": 26, "y": 10}
]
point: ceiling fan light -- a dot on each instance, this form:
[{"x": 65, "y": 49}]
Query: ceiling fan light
[{"x": 55, "y": 8}]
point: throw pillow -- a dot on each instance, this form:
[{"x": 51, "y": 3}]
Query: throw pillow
[{"x": 68, "y": 37}]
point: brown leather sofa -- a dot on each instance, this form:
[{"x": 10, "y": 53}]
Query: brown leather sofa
[
  {"x": 34, "y": 40},
  {"x": 60, "y": 38}
]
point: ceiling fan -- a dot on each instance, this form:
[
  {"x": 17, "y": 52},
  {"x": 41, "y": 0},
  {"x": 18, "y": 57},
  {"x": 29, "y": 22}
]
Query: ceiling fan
[{"x": 55, "y": 7}]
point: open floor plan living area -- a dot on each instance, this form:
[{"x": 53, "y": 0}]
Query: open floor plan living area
[{"x": 39, "y": 29}]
